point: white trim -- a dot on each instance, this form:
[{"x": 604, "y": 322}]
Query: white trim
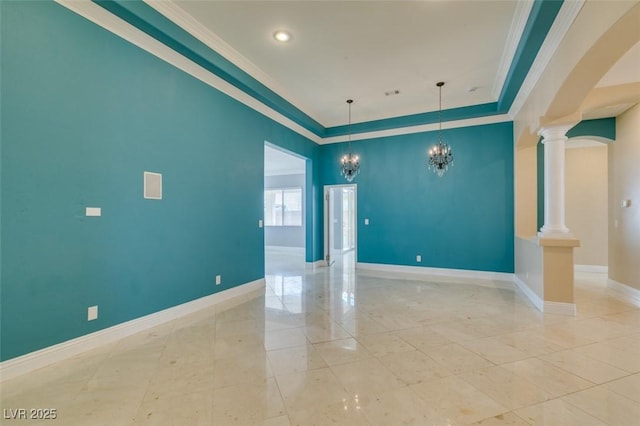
[
  {"x": 568, "y": 13},
  {"x": 419, "y": 270},
  {"x": 628, "y": 291},
  {"x": 530, "y": 294},
  {"x": 316, "y": 264},
  {"x": 123, "y": 29},
  {"x": 520, "y": 17},
  {"x": 56, "y": 353},
  {"x": 478, "y": 121},
  {"x": 599, "y": 269},
  {"x": 560, "y": 308}
]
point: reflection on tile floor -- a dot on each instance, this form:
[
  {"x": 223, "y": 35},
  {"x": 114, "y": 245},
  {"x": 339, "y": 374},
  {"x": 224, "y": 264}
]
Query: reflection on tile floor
[{"x": 331, "y": 346}]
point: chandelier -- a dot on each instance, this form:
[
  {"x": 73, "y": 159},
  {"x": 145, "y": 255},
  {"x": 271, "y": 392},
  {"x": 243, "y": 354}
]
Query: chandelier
[
  {"x": 440, "y": 156},
  {"x": 350, "y": 163}
]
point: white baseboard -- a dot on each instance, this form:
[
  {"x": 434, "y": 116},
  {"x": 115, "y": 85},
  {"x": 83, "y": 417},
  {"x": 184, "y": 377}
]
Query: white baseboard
[
  {"x": 626, "y": 290},
  {"x": 591, "y": 268},
  {"x": 530, "y": 294},
  {"x": 419, "y": 270},
  {"x": 61, "y": 351},
  {"x": 316, "y": 264},
  {"x": 560, "y": 308}
]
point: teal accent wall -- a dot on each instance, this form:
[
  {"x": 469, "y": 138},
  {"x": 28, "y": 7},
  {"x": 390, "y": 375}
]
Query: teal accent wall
[
  {"x": 463, "y": 220},
  {"x": 84, "y": 114},
  {"x": 602, "y": 128}
]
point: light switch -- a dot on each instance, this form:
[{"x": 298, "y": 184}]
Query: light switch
[
  {"x": 260, "y": 223},
  {"x": 93, "y": 211},
  {"x": 366, "y": 221}
]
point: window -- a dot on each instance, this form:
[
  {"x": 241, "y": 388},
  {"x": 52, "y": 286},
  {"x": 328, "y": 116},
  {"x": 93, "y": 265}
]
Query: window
[{"x": 283, "y": 207}]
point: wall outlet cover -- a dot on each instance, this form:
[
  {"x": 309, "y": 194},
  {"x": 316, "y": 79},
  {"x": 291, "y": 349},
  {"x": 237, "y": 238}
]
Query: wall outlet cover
[
  {"x": 218, "y": 279},
  {"x": 92, "y": 313},
  {"x": 93, "y": 211}
]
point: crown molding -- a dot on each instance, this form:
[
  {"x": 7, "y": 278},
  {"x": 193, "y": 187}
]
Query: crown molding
[
  {"x": 568, "y": 13},
  {"x": 520, "y": 16}
]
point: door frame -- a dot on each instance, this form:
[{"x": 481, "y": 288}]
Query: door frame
[{"x": 326, "y": 211}]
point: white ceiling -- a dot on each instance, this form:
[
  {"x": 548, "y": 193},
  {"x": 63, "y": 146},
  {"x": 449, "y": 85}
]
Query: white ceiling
[{"x": 362, "y": 49}]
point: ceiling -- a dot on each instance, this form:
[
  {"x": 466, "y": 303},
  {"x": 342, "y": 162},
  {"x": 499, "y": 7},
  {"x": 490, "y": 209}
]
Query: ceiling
[
  {"x": 362, "y": 49},
  {"x": 386, "y": 55}
]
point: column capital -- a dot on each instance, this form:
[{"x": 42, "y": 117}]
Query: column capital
[{"x": 555, "y": 132}]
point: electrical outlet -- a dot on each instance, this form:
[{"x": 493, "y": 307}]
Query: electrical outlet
[
  {"x": 366, "y": 221},
  {"x": 418, "y": 258},
  {"x": 260, "y": 223},
  {"x": 218, "y": 279},
  {"x": 92, "y": 313}
]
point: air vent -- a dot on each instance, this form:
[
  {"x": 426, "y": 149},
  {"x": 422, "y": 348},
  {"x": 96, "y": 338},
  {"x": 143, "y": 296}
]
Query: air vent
[
  {"x": 153, "y": 186},
  {"x": 392, "y": 92}
]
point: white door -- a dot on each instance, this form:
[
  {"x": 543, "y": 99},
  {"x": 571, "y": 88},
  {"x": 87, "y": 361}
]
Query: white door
[{"x": 340, "y": 224}]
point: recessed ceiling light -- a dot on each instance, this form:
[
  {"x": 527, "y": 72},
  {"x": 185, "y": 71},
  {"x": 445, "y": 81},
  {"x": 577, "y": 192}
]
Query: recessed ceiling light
[{"x": 282, "y": 36}]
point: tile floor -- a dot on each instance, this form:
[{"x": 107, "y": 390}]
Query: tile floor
[{"x": 333, "y": 347}]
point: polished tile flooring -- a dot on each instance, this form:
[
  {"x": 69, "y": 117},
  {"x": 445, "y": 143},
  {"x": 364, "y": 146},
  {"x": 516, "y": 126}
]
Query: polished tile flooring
[{"x": 330, "y": 346}]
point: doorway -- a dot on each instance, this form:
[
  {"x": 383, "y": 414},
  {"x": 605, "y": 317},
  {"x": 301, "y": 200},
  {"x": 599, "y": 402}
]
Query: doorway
[
  {"x": 340, "y": 230},
  {"x": 284, "y": 209}
]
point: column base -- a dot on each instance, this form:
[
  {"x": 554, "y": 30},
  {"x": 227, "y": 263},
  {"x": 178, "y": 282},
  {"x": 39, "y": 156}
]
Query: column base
[
  {"x": 552, "y": 236},
  {"x": 554, "y": 229},
  {"x": 557, "y": 271}
]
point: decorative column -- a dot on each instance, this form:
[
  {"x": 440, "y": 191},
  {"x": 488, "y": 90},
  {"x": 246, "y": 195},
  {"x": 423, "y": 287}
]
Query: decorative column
[
  {"x": 554, "y": 239},
  {"x": 554, "y": 138}
]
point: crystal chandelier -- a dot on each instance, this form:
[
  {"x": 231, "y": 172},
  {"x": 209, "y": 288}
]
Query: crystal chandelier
[
  {"x": 440, "y": 156},
  {"x": 350, "y": 163}
]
